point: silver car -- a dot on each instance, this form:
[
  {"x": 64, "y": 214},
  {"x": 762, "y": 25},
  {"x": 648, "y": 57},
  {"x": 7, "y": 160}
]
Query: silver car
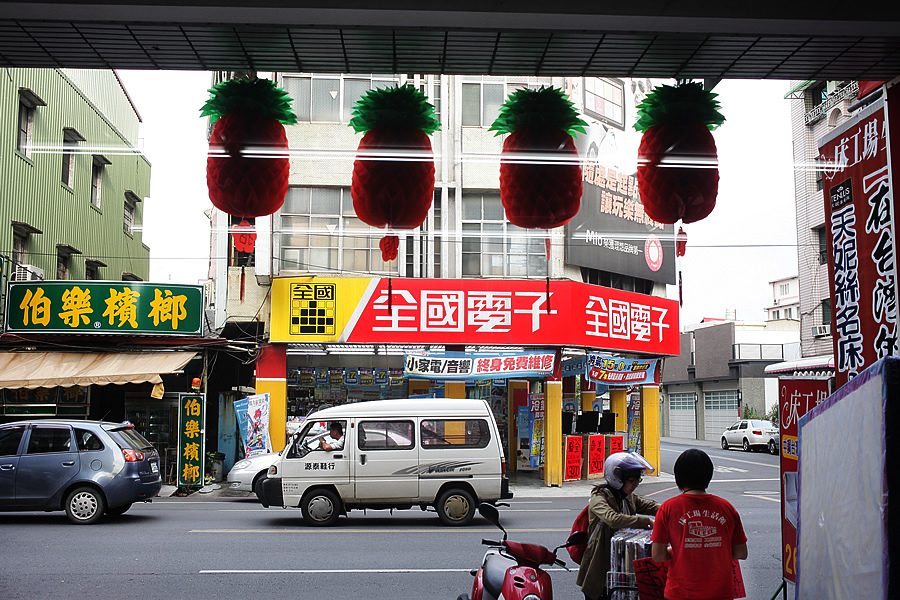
[
  {"x": 749, "y": 434},
  {"x": 247, "y": 471}
]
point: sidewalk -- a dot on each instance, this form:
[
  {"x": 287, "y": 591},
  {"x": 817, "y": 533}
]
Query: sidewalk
[{"x": 524, "y": 484}]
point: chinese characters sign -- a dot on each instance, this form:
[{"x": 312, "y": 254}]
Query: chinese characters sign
[
  {"x": 861, "y": 256},
  {"x": 617, "y": 371},
  {"x": 573, "y": 457},
  {"x": 129, "y": 307},
  {"x": 191, "y": 439},
  {"x": 796, "y": 397},
  {"x": 458, "y": 365},
  {"x": 476, "y": 312},
  {"x": 595, "y": 455}
]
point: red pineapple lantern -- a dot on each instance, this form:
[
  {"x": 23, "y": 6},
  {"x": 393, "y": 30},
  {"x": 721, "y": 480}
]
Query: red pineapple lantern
[
  {"x": 678, "y": 175},
  {"x": 247, "y": 169},
  {"x": 393, "y": 176},
  {"x": 540, "y": 173}
]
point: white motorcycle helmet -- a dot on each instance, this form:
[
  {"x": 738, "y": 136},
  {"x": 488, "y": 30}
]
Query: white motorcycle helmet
[{"x": 623, "y": 465}]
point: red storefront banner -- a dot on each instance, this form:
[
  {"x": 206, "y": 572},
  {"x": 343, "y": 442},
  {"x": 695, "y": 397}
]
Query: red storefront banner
[
  {"x": 859, "y": 211},
  {"x": 472, "y": 311},
  {"x": 796, "y": 397},
  {"x": 573, "y": 457}
]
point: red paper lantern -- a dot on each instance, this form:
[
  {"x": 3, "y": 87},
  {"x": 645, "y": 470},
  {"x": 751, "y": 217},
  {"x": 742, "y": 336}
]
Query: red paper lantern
[
  {"x": 248, "y": 168},
  {"x": 393, "y": 175},
  {"x": 540, "y": 173},
  {"x": 678, "y": 176},
  {"x": 244, "y": 237}
]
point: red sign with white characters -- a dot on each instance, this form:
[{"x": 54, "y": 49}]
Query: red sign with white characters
[
  {"x": 514, "y": 312},
  {"x": 796, "y": 397}
]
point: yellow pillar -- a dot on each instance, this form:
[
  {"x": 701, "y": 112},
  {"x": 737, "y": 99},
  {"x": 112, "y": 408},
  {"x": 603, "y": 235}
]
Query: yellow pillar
[
  {"x": 553, "y": 441},
  {"x": 618, "y": 403},
  {"x": 650, "y": 426},
  {"x": 587, "y": 400},
  {"x": 271, "y": 378},
  {"x": 512, "y": 420},
  {"x": 454, "y": 389}
]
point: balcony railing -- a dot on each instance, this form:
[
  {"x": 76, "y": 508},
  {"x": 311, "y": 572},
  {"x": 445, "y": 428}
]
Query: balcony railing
[
  {"x": 848, "y": 91},
  {"x": 758, "y": 352}
]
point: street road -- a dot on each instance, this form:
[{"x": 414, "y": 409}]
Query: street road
[{"x": 233, "y": 548}]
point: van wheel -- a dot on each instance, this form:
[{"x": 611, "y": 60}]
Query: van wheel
[
  {"x": 85, "y": 505},
  {"x": 455, "y": 507},
  {"x": 321, "y": 508}
]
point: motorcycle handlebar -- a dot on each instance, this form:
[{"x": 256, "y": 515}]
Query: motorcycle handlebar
[{"x": 491, "y": 542}]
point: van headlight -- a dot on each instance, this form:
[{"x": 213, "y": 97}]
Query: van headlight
[
  {"x": 243, "y": 464},
  {"x": 273, "y": 470}
]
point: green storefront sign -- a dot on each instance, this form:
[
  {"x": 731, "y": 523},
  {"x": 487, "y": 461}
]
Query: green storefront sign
[
  {"x": 191, "y": 439},
  {"x": 130, "y": 307}
]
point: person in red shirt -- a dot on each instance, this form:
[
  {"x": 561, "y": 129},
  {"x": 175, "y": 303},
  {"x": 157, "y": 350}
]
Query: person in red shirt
[{"x": 699, "y": 534}]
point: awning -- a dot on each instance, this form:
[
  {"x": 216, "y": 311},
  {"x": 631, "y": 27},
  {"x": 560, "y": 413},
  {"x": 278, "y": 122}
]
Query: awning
[
  {"x": 67, "y": 369},
  {"x": 814, "y": 366}
]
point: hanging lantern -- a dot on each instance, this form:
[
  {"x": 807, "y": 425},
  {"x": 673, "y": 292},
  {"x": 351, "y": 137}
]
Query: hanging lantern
[
  {"x": 393, "y": 176},
  {"x": 540, "y": 173},
  {"x": 678, "y": 175},
  {"x": 247, "y": 169},
  {"x": 680, "y": 242},
  {"x": 244, "y": 237}
]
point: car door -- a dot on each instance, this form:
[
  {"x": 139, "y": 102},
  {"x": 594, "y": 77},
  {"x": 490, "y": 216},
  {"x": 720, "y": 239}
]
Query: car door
[
  {"x": 731, "y": 434},
  {"x": 305, "y": 463},
  {"x": 50, "y": 461},
  {"x": 10, "y": 440},
  {"x": 741, "y": 432},
  {"x": 387, "y": 463}
]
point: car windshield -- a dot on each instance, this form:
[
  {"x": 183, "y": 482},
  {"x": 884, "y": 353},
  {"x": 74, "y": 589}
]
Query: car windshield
[
  {"x": 130, "y": 437},
  {"x": 762, "y": 424}
]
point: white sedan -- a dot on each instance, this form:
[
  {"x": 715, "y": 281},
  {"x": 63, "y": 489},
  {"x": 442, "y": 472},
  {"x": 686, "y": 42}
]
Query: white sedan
[
  {"x": 749, "y": 434},
  {"x": 247, "y": 471}
]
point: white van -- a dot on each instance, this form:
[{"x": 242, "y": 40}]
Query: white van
[{"x": 430, "y": 452}]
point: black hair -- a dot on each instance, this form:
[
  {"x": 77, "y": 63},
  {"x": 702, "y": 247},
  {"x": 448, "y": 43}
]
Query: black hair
[
  {"x": 338, "y": 426},
  {"x": 693, "y": 470}
]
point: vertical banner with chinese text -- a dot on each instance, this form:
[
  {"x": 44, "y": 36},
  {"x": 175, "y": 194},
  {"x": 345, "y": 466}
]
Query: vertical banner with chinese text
[
  {"x": 595, "y": 456},
  {"x": 860, "y": 228},
  {"x": 537, "y": 405},
  {"x": 191, "y": 442},
  {"x": 573, "y": 457},
  {"x": 796, "y": 397}
]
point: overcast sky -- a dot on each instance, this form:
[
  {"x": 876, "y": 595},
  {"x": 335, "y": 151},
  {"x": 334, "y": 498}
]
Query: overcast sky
[{"x": 732, "y": 255}]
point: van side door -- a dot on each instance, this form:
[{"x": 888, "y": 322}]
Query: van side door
[{"x": 387, "y": 463}]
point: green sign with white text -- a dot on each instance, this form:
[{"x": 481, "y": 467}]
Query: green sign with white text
[{"x": 129, "y": 307}]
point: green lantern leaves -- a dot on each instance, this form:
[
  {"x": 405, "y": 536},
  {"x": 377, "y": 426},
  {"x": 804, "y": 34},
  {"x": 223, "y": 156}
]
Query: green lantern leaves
[
  {"x": 679, "y": 104},
  {"x": 546, "y": 106},
  {"x": 402, "y": 106},
  {"x": 258, "y": 96}
]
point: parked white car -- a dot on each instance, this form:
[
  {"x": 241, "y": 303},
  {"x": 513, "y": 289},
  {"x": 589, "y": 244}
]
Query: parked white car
[
  {"x": 247, "y": 471},
  {"x": 749, "y": 434}
]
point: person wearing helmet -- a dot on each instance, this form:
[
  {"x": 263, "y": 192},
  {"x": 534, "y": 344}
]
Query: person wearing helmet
[
  {"x": 613, "y": 506},
  {"x": 699, "y": 534}
]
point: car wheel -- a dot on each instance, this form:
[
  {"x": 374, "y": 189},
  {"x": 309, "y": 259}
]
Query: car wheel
[
  {"x": 773, "y": 449},
  {"x": 724, "y": 444},
  {"x": 259, "y": 477},
  {"x": 321, "y": 508},
  {"x": 85, "y": 505},
  {"x": 118, "y": 511},
  {"x": 746, "y": 445},
  {"x": 455, "y": 507}
]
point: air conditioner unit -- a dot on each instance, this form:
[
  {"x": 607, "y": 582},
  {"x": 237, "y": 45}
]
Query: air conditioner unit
[
  {"x": 821, "y": 330},
  {"x": 29, "y": 273}
]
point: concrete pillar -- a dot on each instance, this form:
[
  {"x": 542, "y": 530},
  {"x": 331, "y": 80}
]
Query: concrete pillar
[
  {"x": 588, "y": 393},
  {"x": 271, "y": 378}
]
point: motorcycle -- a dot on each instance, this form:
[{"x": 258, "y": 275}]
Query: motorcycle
[{"x": 512, "y": 570}]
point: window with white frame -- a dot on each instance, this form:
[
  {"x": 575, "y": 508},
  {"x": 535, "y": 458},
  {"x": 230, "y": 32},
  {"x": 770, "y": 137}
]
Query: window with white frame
[
  {"x": 28, "y": 102},
  {"x": 482, "y": 96},
  {"x": 493, "y": 247},
  {"x": 131, "y": 200},
  {"x": 70, "y": 144},
  {"x": 321, "y": 232},
  {"x": 330, "y": 98},
  {"x": 604, "y": 99}
]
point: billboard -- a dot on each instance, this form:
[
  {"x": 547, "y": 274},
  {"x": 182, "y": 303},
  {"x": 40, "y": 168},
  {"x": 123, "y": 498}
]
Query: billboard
[
  {"x": 861, "y": 257},
  {"x": 611, "y": 232}
]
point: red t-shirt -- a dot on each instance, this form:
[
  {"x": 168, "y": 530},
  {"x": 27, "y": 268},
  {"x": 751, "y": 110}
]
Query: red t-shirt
[{"x": 701, "y": 529}]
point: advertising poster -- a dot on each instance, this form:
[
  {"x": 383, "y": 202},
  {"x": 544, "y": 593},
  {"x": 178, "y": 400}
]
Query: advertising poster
[
  {"x": 859, "y": 210},
  {"x": 536, "y": 403},
  {"x": 617, "y": 371},
  {"x": 257, "y": 437},
  {"x": 191, "y": 439},
  {"x": 596, "y": 456},
  {"x": 634, "y": 422},
  {"x": 796, "y": 397},
  {"x": 573, "y": 457},
  {"x": 479, "y": 367},
  {"x": 523, "y": 427}
]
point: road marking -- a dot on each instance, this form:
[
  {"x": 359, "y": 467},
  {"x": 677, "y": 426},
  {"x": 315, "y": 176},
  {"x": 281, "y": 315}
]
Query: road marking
[
  {"x": 763, "y": 497},
  {"x": 724, "y": 469},
  {"x": 660, "y": 491},
  {"x": 382, "y": 530},
  {"x": 334, "y": 571},
  {"x": 748, "y": 462}
]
